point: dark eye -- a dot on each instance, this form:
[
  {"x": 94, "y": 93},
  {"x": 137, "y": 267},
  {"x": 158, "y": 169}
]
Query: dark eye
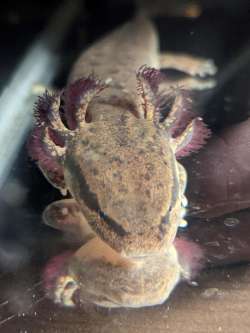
[{"x": 102, "y": 214}]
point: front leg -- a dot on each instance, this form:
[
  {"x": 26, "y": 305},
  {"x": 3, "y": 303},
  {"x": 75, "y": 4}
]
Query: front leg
[
  {"x": 66, "y": 216},
  {"x": 188, "y": 64}
]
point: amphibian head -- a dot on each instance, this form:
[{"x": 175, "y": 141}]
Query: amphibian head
[{"x": 121, "y": 168}]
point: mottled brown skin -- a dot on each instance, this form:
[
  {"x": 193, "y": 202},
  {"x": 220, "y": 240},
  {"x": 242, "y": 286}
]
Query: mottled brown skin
[
  {"x": 131, "y": 175},
  {"x": 121, "y": 170}
]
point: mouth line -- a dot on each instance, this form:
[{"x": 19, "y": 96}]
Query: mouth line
[
  {"x": 113, "y": 224},
  {"x": 91, "y": 201}
]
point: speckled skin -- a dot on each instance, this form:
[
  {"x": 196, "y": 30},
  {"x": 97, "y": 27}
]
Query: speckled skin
[
  {"x": 121, "y": 170},
  {"x": 131, "y": 171}
]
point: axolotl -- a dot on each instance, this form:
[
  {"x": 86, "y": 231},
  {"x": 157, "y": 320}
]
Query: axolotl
[{"x": 111, "y": 140}]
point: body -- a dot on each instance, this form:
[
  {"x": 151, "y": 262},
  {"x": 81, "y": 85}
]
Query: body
[{"x": 116, "y": 154}]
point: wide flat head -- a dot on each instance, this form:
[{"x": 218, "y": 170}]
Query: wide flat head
[
  {"x": 124, "y": 175},
  {"x": 121, "y": 169}
]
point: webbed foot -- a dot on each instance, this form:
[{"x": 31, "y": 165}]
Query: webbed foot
[{"x": 66, "y": 216}]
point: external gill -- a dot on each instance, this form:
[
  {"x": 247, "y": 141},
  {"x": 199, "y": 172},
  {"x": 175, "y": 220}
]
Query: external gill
[
  {"x": 55, "y": 121},
  {"x": 47, "y": 144},
  {"x": 191, "y": 139},
  {"x": 148, "y": 80},
  {"x": 78, "y": 96},
  {"x": 188, "y": 133},
  {"x": 180, "y": 103},
  {"x": 43, "y": 140}
]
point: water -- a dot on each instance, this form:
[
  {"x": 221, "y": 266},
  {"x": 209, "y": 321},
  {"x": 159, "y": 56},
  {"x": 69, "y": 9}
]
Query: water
[{"x": 219, "y": 300}]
